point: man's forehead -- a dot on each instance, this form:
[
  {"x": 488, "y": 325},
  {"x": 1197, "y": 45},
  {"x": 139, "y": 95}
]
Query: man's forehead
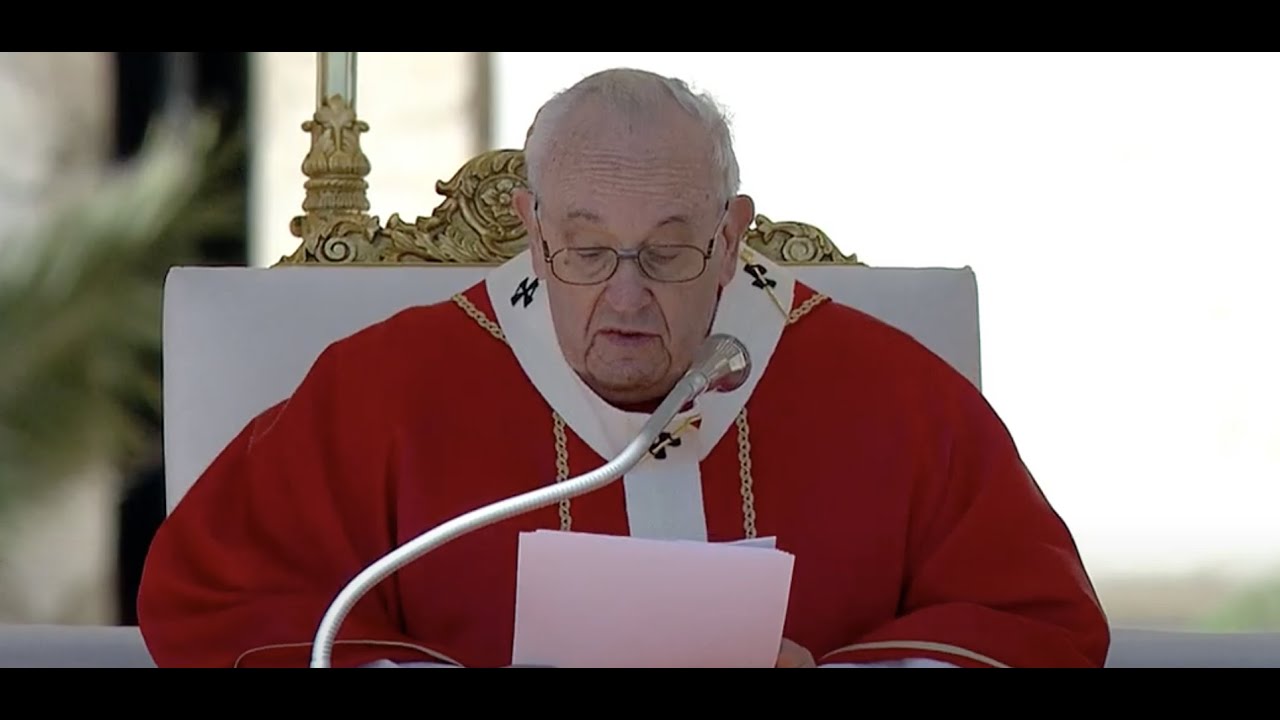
[
  {"x": 638, "y": 177},
  {"x": 656, "y": 154},
  {"x": 647, "y": 164},
  {"x": 602, "y": 195},
  {"x": 594, "y": 120},
  {"x": 587, "y": 215}
]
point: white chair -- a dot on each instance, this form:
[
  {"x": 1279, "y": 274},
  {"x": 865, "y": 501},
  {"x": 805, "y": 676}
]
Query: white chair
[{"x": 238, "y": 340}]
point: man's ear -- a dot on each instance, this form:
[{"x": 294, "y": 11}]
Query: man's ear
[
  {"x": 522, "y": 203},
  {"x": 742, "y": 210}
]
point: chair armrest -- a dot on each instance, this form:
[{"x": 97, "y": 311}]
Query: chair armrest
[
  {"x": 1167, "y": 649},
  {"x": 72, "y": 646}
]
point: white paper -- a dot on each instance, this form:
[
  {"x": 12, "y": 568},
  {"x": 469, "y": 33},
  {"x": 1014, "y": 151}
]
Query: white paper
[
  {"x": 767, "y": 542},
  {"x": 585, "y": 600}
]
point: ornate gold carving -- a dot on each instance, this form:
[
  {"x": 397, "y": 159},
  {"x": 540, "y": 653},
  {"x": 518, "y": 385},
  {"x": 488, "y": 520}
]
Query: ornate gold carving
[
  {"x": 795, "y": 243},
  {"x": 336, "y": 227},
  {"x": 475, "y": 224}
]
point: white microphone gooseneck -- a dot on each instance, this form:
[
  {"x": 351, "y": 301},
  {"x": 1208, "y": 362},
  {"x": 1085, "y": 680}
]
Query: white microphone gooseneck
[{"x": 722, "y": 365}]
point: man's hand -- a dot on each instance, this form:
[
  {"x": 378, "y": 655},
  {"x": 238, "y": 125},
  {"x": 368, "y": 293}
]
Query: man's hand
[{"x": 791, "y": 655}]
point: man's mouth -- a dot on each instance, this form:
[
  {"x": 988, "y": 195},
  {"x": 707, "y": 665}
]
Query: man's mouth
[{"x": 627, "y": 337}]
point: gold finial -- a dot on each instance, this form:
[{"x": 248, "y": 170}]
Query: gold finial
[{"x": 337, "y": 227}]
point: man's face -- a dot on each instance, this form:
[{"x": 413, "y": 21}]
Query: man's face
[{"x": 631, "y": 336}]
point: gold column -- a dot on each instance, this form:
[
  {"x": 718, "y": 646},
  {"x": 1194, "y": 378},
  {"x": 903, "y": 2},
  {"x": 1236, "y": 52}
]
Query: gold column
[{"x": 336, "y": 226}]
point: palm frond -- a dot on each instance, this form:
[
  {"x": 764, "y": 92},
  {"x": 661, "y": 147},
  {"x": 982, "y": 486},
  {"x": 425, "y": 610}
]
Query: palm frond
[{"x": 80, "y": 306}]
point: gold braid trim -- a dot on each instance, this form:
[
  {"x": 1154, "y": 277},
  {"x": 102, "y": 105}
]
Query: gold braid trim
[
  {"x": 475, "y": 314},
  {"x": 805, "y": 308},
  {"x": 747, "y": 482},
  {"x": 746, "y": 486},
  {"x": 917, "y": 645},
  {"x": 562, "y": 470}
]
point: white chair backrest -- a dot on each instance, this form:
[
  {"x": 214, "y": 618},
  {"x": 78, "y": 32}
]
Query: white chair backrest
[{"x": 238, "y": 340}]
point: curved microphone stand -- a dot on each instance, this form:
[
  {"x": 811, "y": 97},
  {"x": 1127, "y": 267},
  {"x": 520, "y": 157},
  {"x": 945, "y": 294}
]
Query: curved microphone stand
[{"x": 722, "y": 366}]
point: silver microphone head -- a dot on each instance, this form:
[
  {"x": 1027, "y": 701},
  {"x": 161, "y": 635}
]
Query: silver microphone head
[{"x": 724, "y": 363}]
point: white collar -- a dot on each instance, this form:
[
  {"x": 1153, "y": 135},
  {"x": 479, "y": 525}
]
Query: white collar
[{"x": 754, "y": 307}]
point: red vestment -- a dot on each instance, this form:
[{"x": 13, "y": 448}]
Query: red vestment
[{"x": 917, "y": 531}]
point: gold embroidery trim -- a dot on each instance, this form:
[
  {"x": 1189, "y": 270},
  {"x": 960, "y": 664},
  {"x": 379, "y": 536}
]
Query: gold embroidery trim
[
  {"x": 919, "y": 645},
  {"x": 746, "y": 481},
  {"x": 376, "y": 643}
]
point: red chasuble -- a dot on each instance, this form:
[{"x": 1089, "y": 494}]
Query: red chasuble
[{"x": 917, "y": 531}]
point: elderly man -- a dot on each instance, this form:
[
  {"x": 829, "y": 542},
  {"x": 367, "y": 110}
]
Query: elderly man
[{"x": 920, "y": 538}]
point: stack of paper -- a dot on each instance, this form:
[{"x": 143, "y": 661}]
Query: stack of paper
[{"x": 586, "y": 600}]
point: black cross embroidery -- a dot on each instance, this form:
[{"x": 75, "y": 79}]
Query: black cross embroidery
[
  {"x": 525, "y": 292},
  {"x": 659, "y": 447},
  {"x": 757, "y": 273}
]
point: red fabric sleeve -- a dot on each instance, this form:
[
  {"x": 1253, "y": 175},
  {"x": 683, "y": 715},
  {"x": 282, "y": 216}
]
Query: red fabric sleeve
[
  {"x": 243, "y": 570},
  {"x": 994, "y": 577}
]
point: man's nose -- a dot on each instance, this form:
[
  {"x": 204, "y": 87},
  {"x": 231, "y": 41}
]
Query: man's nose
[{"x": 628, "y": 290}]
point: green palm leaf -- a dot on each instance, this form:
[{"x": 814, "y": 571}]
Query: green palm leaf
[{"x": 80, "y": 307}]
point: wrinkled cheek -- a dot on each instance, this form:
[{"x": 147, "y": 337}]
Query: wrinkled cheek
[{"x": 574, "y": 320}]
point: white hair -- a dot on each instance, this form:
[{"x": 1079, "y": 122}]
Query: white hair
[{"x": 634, "y": 92}]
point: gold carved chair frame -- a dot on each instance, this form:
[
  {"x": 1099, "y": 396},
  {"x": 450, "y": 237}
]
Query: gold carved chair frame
[{"x": 474, "y": 224}]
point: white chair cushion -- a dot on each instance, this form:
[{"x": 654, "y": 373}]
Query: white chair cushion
[{"x": 937, "y": 306}]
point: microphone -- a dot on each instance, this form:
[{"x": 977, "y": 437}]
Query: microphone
[{"x": 721, "y": 365}]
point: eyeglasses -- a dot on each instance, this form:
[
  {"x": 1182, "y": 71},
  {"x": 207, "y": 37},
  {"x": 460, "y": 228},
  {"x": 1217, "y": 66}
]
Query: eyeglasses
[
  {"x": 663, "y": 263},
  {"x": 594, "y": 265}
]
